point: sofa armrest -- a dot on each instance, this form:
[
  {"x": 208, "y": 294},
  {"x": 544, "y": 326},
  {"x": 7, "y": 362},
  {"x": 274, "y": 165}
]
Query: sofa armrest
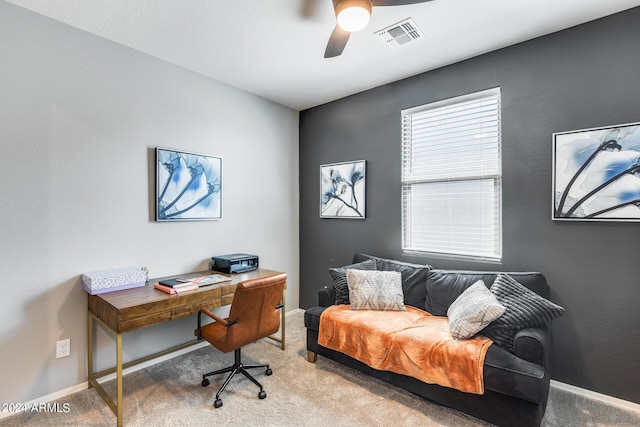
[
  {"x": 327, "y": 296},
  {"x": 532, "y": 344}
]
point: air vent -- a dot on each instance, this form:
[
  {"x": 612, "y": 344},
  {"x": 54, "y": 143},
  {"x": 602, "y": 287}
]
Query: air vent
[{"x": 400, "y": 33}]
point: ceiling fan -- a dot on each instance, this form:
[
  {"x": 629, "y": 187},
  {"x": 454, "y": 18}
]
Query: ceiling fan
[{"x": 353, "y": 15}]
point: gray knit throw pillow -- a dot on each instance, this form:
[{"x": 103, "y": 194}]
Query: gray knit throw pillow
[{"x": 524, "y": 309}]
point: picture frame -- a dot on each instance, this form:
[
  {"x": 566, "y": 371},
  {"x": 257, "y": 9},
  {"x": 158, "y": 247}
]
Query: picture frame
[
  {"x": 188, "y": 186},
  {"x": 596, "y": 174},
  {"x": 343, "y": 190}
]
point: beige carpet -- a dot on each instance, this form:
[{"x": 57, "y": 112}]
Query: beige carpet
[{"x": 298, "y": 394}]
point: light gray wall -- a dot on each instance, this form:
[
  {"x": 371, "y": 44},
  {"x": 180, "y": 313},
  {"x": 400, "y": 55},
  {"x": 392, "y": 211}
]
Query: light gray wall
[
  {"x": 583, "y": 77},
  {"x": 79, "y": 120}
]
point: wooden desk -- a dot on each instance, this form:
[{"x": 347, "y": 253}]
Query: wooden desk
[{"x": 119, "y": 312}]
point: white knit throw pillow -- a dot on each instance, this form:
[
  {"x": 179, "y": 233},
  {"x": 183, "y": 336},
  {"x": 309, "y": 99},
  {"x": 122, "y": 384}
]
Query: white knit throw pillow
[
  {"x": 473, "y": 310},
  {"x": 375, "y": 290}
]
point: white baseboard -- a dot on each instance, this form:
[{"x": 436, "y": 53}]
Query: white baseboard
[
  {"x": 604, "y": 398},
  {"x": 588, "y": 394},
  {"x": 155, "y": 361},
  {"x": 294, "y": 311},
  {"x": 27, "y": 406},
  {"x": 84, "y": 385},
  {"x": 172, "y": 355}
]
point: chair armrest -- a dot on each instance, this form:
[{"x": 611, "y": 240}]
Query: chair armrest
[
  {"x": 532, "y": 345},
  {"x": 327, "y": 296},
  {"x": 214, "y": 316},
  {"x": 225, "y": 322}
]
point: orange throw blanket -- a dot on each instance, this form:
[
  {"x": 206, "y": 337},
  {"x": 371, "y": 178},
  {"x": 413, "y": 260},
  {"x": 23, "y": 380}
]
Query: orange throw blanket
[{"x": 411, "y": 342}]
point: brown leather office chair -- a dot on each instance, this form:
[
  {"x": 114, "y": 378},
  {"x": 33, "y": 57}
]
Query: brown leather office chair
[{"x": 254, "y": 314}]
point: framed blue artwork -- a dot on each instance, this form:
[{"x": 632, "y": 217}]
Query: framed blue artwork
[
  {"x": 188, "y": 186},
  {"x": 596, "y": 174},
  {"x": 342, "y": 190}
]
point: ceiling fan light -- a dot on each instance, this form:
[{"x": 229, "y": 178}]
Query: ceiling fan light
[{"x": 353, "y": 15}]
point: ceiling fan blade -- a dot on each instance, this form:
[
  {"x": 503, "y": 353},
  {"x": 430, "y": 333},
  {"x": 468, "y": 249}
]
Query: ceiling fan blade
[
  {"x": 307, "y": 8},
  {"x": 337, "y": 42},
  {"x": 396, "y": 2}
]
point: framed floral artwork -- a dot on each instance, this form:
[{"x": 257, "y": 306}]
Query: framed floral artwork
[
  {"x": 188, "y": 186},
  {"x": 342, "y": 190},
  {"x": 596, "y": 174}
]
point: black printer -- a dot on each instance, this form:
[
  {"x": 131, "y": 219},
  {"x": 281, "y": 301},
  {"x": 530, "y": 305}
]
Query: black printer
[{"x": 234, "y": 263}]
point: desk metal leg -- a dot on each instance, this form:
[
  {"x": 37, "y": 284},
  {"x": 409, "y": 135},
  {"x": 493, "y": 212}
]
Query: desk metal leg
[
  {"x": 282, "y": 325},
  {"x": 119, "y": 378},
  {"x": 90, "y": 349},
  {"x": 116, "y": 406}
]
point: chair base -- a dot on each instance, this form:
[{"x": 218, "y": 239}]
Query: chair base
[{"x": 237, "y": 368}]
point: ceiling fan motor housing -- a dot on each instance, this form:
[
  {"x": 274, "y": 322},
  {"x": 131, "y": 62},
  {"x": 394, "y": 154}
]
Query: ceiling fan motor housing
[{"x": 352, "y": 15}]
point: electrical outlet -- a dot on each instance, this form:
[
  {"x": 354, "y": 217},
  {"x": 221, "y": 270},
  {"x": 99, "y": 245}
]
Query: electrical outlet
[{"x": 63, "y": 348}]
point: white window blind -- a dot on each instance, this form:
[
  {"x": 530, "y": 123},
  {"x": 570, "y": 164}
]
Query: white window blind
[{"x": 451, "y": 177}]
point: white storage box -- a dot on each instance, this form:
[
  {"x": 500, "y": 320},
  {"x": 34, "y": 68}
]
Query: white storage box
[{"x": 98, "y": 282}]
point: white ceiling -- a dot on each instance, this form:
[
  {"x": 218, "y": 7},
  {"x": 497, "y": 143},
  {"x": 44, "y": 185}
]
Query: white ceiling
[{"x": 275, "y": 48}]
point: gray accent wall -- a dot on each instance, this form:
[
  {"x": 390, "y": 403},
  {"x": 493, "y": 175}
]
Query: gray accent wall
[
  {"x": 80, "y": 118},
  {"x": 583, "y": 77}
]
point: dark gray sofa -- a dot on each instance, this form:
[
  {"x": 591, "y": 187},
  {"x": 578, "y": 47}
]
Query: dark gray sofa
[{"x": 516, "y": 385}]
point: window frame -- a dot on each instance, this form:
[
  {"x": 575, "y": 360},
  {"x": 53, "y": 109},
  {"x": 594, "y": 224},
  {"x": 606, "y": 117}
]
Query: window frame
[{"x": 408, "y": 180}]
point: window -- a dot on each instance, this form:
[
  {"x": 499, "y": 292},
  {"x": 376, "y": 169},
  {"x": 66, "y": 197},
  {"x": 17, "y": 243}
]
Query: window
[{"x": 451, "y": 177}]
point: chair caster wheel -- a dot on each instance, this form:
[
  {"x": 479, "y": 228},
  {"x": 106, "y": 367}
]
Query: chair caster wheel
[
  {"x": 217, "y": 403},
  {"x": 262, "y": 394},
  {"x": 205, "y": 382},
  {"x": 268, "y": 371}
]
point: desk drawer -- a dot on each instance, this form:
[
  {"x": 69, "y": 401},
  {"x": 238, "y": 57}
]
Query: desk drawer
[
  {"x": 131, "y": 324},
  {"x": 189, "y": 309},
  {"x": 227, "y": 299},
  {"x": 163, "y": 316}
]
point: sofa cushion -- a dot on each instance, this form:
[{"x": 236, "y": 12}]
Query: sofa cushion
[
  {"x": 474, "y": 309},
  {"x": 524, "y": 309},
  {"x": 340, "y": 279},
  {"x": 375, "y": 290},
  {"x": 444, "y": 286},
  {"x": 414, "y": 277}
]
